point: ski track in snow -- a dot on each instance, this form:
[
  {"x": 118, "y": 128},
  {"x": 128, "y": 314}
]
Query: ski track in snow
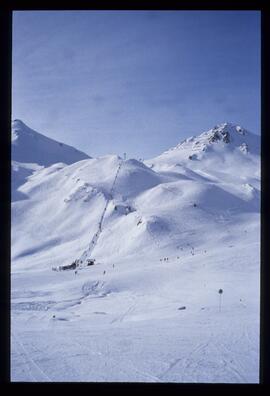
[{"x": 34, "y": 370}]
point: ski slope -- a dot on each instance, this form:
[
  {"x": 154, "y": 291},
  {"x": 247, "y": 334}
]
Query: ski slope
[
  {"x": 168, "y": 234},
  {"x": 87, "y": 253}
]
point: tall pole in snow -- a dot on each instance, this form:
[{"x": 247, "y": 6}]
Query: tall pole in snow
[{"x": 220, "y": 294}]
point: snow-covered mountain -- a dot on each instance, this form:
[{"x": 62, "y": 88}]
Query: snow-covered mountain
[
  {"x": 165, "y": 233},
  {"x": 226, "y": 157},
  {"x": 29, "y": 146},
  {"x": 216, "y": 147},
  {"x": 32, "y": 150}
]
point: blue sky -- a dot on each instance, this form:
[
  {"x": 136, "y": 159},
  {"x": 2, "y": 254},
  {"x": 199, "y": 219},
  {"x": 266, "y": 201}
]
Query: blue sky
[{"x": 135, "y": 81}]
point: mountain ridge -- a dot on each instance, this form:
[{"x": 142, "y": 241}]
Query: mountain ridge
[
  {"x": 146, "y": 194},
  {"x": 30, "y": 146}
]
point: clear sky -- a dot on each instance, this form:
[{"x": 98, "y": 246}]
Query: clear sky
[{"x": 135, "y": 81}]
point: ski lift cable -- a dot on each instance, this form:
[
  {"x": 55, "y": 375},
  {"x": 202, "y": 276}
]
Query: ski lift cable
[{"x": 95, "y": 238}]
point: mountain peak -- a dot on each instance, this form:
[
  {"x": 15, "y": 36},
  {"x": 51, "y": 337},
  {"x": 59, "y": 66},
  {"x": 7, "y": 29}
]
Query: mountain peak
[
  {"x": 218, "y": 142},
  {"x": 231, "y": 135},
  {"x": 17, "y": 123},
  {"x": 229, "y": 128},
  {"x": 29, "y": 146},
  {"x": 224, "y": 132}
]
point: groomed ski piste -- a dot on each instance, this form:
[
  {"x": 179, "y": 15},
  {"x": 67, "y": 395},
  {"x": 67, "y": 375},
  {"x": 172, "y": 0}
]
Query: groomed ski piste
[{"x": 166, "y": 234}]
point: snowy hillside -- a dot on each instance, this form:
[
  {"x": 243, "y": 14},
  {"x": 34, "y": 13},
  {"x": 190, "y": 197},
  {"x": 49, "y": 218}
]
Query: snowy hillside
[
  {"x": 225, "y": 147},
  {"x": 166, "y": 235},
  {"x": 29, "y": 146},
  {"x": 31, "y": 151}
]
